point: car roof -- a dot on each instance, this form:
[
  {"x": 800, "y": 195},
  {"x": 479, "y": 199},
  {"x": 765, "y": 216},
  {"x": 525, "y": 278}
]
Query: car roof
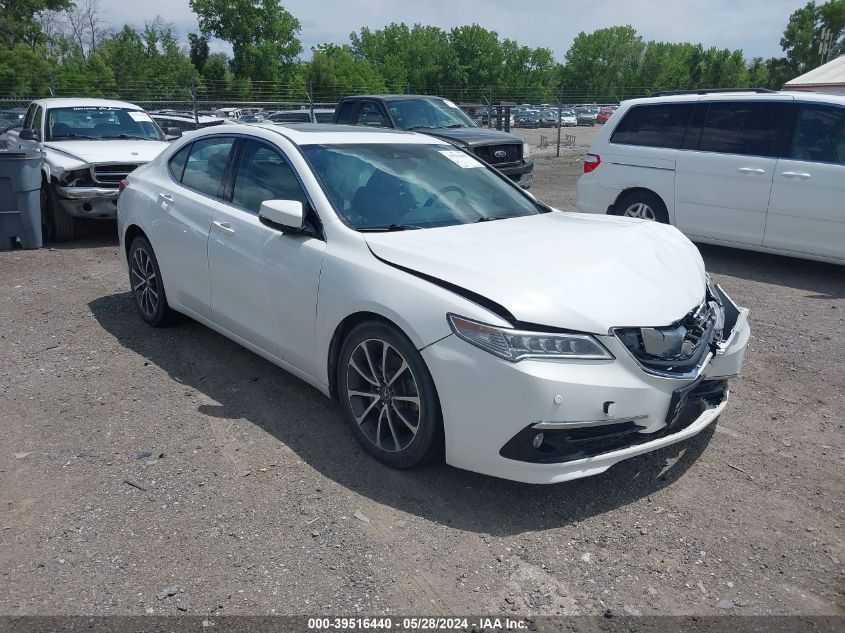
[
  {"x": 323, "y": 133},
  {"x": 394, "y": 97},
  {"x": 77, "y": 102},
  {"x": 792, "y": 95}
]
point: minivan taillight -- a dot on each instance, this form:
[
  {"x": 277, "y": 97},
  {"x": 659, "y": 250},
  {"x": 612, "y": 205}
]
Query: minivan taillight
[
  {"x": 122, "y": 185},
  {"x": 591, "y": 161}
]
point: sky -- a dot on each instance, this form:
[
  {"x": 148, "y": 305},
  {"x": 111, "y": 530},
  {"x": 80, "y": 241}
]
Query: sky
[{"x": 755, "y": 26}]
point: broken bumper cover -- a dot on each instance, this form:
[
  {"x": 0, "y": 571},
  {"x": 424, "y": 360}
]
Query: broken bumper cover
[
  {"x": 593, "y": 414},
  {"x": 89, "y": 202}
]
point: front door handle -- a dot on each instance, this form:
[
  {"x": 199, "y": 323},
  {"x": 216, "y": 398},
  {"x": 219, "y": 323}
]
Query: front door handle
[
  {"x": 751, "y": 170},
  {"x": 166, "y": 198},
  {"x": 795, "y": 174},
  {"x": 225, "y": 227}
]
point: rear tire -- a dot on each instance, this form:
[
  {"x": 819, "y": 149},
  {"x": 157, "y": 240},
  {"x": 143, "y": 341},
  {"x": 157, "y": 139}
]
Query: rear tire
[
  {"x": 389, "y": 397},
  {"x": 147, "y": 287},
  {"x": 642, "y": 204},
  {"x": 59, "y": 224}
]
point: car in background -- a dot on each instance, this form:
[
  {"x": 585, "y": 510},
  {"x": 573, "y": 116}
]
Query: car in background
[
  {"x": 89, "y": 146},
  {"x": 231, "y": 114},
  {"x": 443, "y": 119},
  {"x": 184, "y": 121},
  {"x": 303, "y": 115},
  {"x": 586, "y": 116},
  {"x": 250, "y": 118},
  {"x": 527, "y": 119},
  {"x": 548, "y": 118},
  {"x": 605, "y": 113},
  {"x": 11, "y": 118},
  {"x": 568, "y": 118},
  {"x": 444, "y": 308},
  {"x": 752, "y": 169}
]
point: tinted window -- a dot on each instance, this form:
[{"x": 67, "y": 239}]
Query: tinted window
[
  {"x": 653, "y": 125},
  {"x": 370, "y": 114},
  {"x": 263, "y": 174},
  {"x": 206, "y": 164},
  {"x": 27, "y": 120},
  {"x": 741, "y": 127},
  {"x": 819, "y": 135},
  {"x": 345, "y": 114},
  {"x": 36, "y": 122},
  {"x": 177, "y": 162}
]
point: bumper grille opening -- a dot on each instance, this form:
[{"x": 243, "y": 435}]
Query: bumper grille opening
[
  {"x": 565, "y": 445},
  {"x": 499, "y": 154},
  {"x": 112, "y": 174}
]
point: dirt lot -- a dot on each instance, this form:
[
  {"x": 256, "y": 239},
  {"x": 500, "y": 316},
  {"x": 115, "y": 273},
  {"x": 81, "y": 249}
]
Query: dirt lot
[{"x": 136, "y": 459}]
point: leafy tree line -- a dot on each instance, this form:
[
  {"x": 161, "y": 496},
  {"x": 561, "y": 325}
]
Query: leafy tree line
[{"x": 64, "y": 47}]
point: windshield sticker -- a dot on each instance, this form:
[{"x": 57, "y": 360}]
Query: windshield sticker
[
  {"x": 450, "y": 104},
  {"x": 140, "y": 117},
  {"x": 460, "y": 159}
]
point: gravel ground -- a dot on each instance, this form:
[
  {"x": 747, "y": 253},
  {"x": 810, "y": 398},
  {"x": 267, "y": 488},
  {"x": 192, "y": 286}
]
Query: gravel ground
[{"x": 138, "y": 463}]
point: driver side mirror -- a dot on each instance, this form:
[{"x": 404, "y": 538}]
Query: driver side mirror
[
  {"x": 172, "y": 133},
  {"x": 287, "y": 216},
  {"x": 27, "y": 134}
]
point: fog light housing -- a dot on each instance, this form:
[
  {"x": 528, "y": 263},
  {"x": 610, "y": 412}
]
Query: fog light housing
[{"x": 537, "y": 442}]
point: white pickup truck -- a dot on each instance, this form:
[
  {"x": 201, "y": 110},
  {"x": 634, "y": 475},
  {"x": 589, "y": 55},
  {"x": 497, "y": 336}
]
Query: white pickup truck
[{"x": 89, "y": 146}]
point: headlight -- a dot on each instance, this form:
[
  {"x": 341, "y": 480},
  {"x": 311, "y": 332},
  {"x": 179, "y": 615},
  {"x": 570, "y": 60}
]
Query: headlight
[
  {"x": 526, "y": 150},
  {"x": 514, "y": 345}
]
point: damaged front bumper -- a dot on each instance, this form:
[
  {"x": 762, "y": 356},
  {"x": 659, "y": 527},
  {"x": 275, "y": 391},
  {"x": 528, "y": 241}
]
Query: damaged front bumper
[{"x": 591, "y": 414}]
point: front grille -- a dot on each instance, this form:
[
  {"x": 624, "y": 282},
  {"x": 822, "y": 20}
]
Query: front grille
[
  {"x": 509, "y": 153},
  {"x": 112, "y": 174},
  {"x": 677, "y": 349}
]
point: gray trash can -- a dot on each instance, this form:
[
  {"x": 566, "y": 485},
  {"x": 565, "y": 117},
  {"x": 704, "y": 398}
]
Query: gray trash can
[{"x": 20, "y": 198}]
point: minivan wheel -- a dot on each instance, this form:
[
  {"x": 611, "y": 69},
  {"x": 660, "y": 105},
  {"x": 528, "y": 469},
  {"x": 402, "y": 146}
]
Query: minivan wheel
[
  {"x": 643, "y": 205},
  {"x": 147, "y": 288},
  {"x": 388, "y": 396}
]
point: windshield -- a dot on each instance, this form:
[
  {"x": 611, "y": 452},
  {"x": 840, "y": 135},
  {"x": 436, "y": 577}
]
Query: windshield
[
  {"x": 403, "y": 186},
  {"x": 100, "y": 122},
  {"x": 411, "y": 114}
]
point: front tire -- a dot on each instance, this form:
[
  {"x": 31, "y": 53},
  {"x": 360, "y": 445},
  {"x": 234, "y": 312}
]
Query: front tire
[
  {"x": 644, "y": 205},
  {"x": 59, "y": 224},
  {"x": 147, "y": 287},
  {"x": 389, "y": 397}
]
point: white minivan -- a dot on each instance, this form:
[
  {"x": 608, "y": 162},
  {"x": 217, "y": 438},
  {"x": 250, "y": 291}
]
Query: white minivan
[{"x": 752, "y": 169}]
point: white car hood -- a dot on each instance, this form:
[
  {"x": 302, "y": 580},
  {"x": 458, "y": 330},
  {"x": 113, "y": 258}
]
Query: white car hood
[
  {"x": 113, "y": 151},
  {"x": 570, "y": 271}
]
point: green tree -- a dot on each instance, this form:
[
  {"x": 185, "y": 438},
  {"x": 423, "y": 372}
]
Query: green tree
[
  {"x": 262, "y": 33},
  {"x": 478, "y": 61},
  {"x": 19, "y": 20},
  {"x": 603, "y": 63},
  {"x": 802, "y": 36},
  {"x": 198, "y": 50},
  {"x": 334, "y": 71}
]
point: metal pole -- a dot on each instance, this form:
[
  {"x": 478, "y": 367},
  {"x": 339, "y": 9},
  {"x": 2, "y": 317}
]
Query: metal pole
[
  {"x": 311, "y": 98},
  {"x": 559, "y": 119}
]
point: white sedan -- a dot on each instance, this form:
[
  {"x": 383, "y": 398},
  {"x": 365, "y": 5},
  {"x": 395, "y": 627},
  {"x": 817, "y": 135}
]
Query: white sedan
[{"x": 443, "y": 306}]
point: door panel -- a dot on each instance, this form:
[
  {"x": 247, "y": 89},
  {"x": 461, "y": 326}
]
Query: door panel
[
  {"x": 264, "y": 283},
  {"x": 807, "y": 207},
  {"x": 725, "y": 169}
]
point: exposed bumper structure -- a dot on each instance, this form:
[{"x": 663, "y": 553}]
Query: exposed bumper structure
[
  {"x": 87, "y": 193},
  {"x": 636, "y": 412}
]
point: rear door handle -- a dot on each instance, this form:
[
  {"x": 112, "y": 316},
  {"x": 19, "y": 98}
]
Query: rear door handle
[
  {"x": 166, "y": 197},
  {"x": 751, "y": 170},
  {"x": 225, "y": 227},
  {"x": 795, "y": 174}
]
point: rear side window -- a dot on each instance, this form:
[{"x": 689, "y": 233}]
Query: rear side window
[
  {"x": 660, "y": 125},
  {"x": 345, "y": 114},
  {"x": 206, "y": 164},
  {"x": 742, "y": 127},
  {"x": 819, "y": 135},
  {"x": 177, "y": 162}
]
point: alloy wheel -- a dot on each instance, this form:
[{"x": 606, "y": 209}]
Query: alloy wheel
[
  {"x": 639, "y": 210},
  {"x": 383, "y": 395},
  {"x": 144, "y": 282}
]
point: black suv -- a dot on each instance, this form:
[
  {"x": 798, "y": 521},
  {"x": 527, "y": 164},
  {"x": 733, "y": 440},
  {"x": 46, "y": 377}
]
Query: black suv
[{"x": 441, "y": 118}]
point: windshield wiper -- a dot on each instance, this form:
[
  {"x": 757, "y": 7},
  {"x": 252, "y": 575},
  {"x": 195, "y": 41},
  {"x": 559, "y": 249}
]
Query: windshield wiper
[
  {"x": 452, "y": 126},
  {"x": 61, "y": 136},
  {"x": 128, "y": 136},
  {"x": 388, "y": 228},
  {"x": 491, "y": 219}
]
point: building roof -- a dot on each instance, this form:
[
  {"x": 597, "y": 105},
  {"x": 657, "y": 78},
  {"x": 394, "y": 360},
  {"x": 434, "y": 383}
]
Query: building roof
[{"x": 825, "y": 76}]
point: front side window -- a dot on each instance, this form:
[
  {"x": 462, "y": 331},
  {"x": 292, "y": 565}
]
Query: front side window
[
  {"x": 36, "y": 121},
  {"x": 264, "y": 174},
  {"x": 27, "y": 119},
  {"x": 742, "y": 127},
  {"x": 653, "y": 125},
  {"x": 375, "y": 186},
  {"x": 411, "y": 114},
  {"x": 206, "y": 164},
  {"x": 819, "y": 135},
  {"x": 101, "y": 122}
]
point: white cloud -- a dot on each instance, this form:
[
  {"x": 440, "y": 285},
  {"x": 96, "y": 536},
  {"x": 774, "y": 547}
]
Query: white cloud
[{"x": 755, "y": 26}]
